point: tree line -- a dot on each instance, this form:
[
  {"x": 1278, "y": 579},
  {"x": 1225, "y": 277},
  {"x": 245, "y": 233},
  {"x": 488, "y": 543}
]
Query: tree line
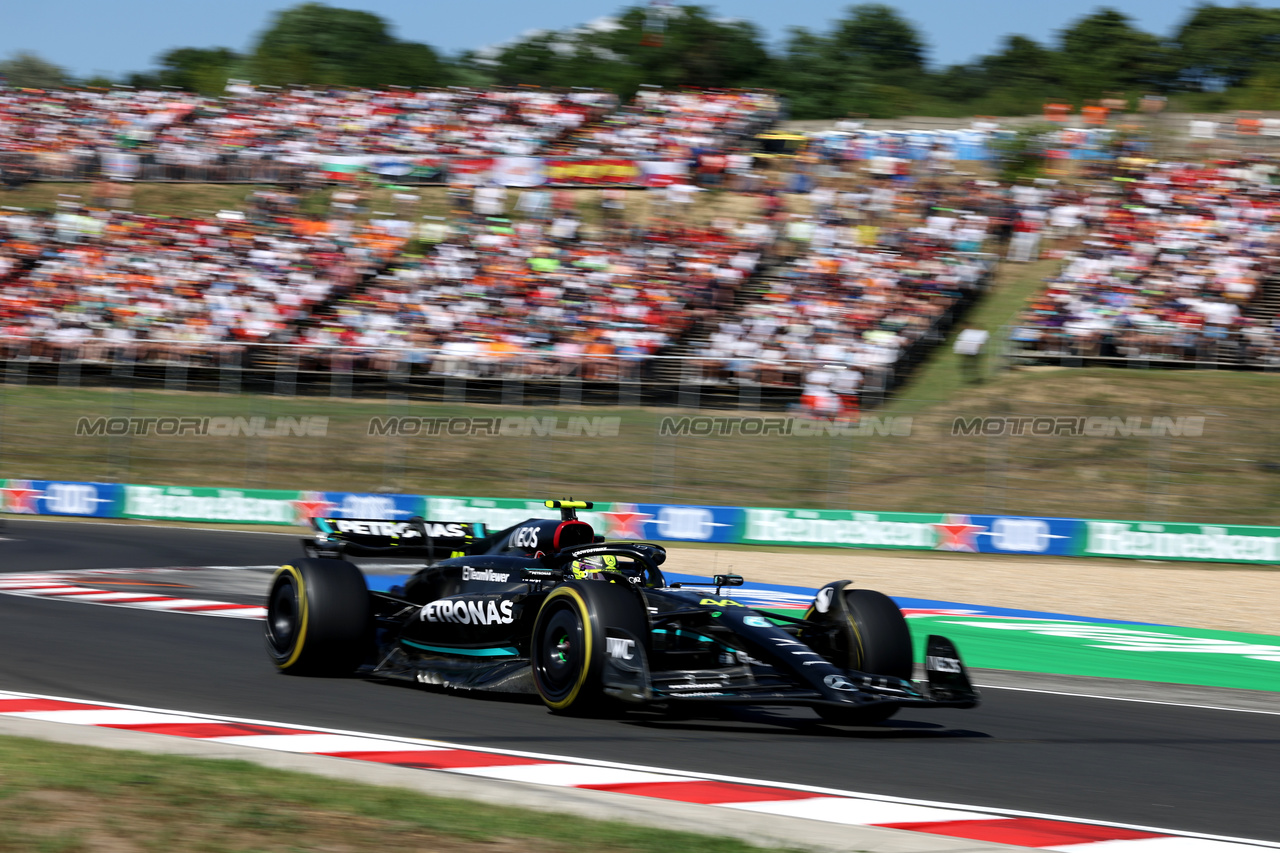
[{"x": 871, "y": 61}]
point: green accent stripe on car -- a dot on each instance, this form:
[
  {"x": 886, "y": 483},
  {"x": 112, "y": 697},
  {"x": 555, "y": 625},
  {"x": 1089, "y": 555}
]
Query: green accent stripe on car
[{"x": 479, "y": 653}]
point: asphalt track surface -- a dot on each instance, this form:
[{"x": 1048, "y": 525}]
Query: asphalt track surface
[{"x": 1183, "y": 768}]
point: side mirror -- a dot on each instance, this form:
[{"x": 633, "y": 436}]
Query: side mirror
[{"x": 727, "y": 580}]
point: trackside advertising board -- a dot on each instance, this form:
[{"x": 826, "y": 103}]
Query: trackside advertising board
[
  {"x": 240, "y": 506},
  {"x": 984, "y": 534},
  {"x": 674, "y": 523},
  {"x": 918, "y": 531},
  {"x": 655, "y": 522},
  {"x": 1004, "y": 534},
  {"x": 1147, "y": 540},
  {"x": 501, "y": 513},
  {"x": 60, "y": 497},
  {"x": 372, "y": 505}
]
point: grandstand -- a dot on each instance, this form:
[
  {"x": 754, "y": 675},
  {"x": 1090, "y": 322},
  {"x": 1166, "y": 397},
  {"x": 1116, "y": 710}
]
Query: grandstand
[
  {"x": 832, "y": 303},
  {"x": 1179, "y": 268},
  {"x": 279, "y": 135}
]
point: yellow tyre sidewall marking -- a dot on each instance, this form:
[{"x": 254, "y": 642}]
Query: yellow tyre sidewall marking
[
  {"x": 585, "y": 618},
  {"x": 300, "y": 636}
]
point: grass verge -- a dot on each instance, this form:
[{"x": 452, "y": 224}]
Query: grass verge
[
  {"x": 58, "y": 798},
  {"x": 1227, "y": 471},
  {"x": 939, "y": 379}
]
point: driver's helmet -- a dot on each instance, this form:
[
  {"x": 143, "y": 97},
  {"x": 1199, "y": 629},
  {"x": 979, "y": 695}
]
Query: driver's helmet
[{"x": 590, "y": 568}]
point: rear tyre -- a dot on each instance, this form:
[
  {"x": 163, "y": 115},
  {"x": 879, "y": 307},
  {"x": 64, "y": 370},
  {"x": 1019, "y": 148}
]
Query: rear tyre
[
  {"x": 569, "y": 647},
  {"x": 318, "y": 618},
  {"x": 872, "y": 638}
]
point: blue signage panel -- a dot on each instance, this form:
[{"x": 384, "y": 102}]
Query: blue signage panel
[
  {"x": 1004, "y": 534},
  {"x": 672, "y": 522},
  {"x": 61, "y": 497},
  {"x": 382, "y": 507}
]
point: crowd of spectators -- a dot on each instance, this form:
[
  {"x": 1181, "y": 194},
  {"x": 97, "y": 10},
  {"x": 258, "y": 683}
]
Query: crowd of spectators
[
  {"x": 670, "y": 124},
  {"x": 542, "y": 298},
  {"x": 75, "y": 133},
  {"x": 1172, "y": 265},
  {"x": 110, "y": 285},
  {"x": 545, "y": 292},
  {"x": 870, "y": 274}
]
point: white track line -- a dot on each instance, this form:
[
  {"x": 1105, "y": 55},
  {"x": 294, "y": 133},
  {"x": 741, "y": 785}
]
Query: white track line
[
  {"x": 1138, "y": 700},
  {"x": 825, "y": 804}
]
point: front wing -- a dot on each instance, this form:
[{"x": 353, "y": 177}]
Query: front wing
[{"x": 627, "y": 677}]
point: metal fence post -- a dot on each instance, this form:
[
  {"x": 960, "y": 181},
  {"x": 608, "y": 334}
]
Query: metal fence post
[
  {"x": 252, "y": 463},
  {"x": 393, "y": 461},
  {"x": 286, "y": 384},
  {"x": 4, "y": 412},
  {"x": 455, "y": 389},
  {"x": 996, "y": 473},
  {"x": 339, "y": 375},
  {"x": 689, "y": 390},
  {"x": 1157, "y": 476},
  {"x": 16, "y": 370},
  {"x": 512, "y": 390},
  {"x": 570, "y": 390},
  {"x": 175, "y": 375},
  {"x": 664, "y": 467},
  {"x": 838, "y": 484},
  {"x": 628, "y": 391},
  {"x": 68, "y": 370},
  {"x": 230, "y": 369},
  {"x": 120, "y": 447}
]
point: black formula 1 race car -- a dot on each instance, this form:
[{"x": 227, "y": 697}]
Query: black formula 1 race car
[{"x": 547, "y": 606}]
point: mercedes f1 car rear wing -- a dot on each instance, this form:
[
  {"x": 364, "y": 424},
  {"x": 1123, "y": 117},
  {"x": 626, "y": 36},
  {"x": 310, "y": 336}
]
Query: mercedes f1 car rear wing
[{"x": 366, "y": 537}]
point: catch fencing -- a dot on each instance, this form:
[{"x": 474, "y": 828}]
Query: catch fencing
[
  {"x": 1224, "y": 349},
  {"x": 680, "y": 439}
]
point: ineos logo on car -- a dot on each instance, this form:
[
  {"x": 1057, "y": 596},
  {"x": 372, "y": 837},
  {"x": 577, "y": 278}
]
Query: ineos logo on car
[{"x": 525, "y": 537}]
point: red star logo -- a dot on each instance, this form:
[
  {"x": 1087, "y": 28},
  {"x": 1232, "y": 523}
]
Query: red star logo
[
  {"x": 311, "y": 505},
  {"x": 955, "y": 533},
  {"x": 20, "y": 497},
  {"x": 625, "y": 523}
]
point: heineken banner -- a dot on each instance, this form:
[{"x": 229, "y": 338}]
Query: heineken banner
[
  {"x": 1158, "y": 541},
  {"x": 240, "y": 506},
  {"x": 842, "y": 527}
]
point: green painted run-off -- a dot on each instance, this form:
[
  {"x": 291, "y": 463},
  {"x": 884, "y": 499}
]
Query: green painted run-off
[{"x": 1108, "y": 650}]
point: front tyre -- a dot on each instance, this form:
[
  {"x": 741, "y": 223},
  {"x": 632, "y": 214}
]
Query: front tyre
[
  {"x": 318, "y": 618},
  {"x": 871, "y": 636},
  {"x": 569, "y": 644}
]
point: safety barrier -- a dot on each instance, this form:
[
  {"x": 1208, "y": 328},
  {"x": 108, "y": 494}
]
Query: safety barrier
[{"x": 956, "y": 532}]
